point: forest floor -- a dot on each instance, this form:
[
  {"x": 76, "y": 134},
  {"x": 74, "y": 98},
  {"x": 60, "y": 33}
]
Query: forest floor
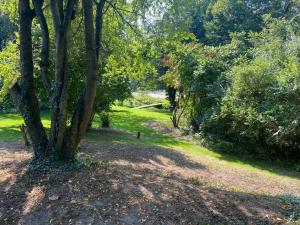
[{"x": 161, "y": 178}]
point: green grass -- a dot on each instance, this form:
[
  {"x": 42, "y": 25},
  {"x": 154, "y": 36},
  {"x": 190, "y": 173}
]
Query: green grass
[
  {"x": 133, "y": 121},
  {"x": 10, "y": 125}
]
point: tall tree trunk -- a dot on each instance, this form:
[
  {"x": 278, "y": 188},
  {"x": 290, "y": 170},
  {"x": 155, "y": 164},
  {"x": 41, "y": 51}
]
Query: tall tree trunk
[
  {"x": 84, "y": 108},
  {"x": 99, "y": 25},
  {"x": 24, "y": 94},
  {"x": 60, "y": 95},
  {"x": 171, "y": 93},
  {"x": 63, "y": 140},
  {"x": 62, "y": 22},
  {"x": 44, "y": 64}
]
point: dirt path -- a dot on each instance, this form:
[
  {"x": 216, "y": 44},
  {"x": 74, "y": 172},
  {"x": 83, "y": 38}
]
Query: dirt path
[{"x": 140, "y": 185}]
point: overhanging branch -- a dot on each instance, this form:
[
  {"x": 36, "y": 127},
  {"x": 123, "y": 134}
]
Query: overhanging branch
[{"x": 44, "y": 64}]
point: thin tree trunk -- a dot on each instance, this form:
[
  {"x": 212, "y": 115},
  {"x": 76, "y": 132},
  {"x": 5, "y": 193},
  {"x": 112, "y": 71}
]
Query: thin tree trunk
[
  {"x": 24, "y": 95},
  {"x": 99, "y": 25},
  {"x": 98, "y": 32},
  {"x": 45, "y": 44},
  {"x": 62, "y": 21},
  {"x": 84, "y": 108},
  {"x": 60, "y": 95}
]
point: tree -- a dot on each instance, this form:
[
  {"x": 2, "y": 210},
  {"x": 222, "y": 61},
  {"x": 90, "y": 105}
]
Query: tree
[
  {"x": 6, "y": 30},
  {"x": 63, "y": 140},
  {"x": 64, "y": 136}
]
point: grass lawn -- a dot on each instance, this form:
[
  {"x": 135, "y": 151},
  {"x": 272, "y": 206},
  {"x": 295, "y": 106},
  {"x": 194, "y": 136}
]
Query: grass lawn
[
  {"x": 160, "y": 171},
  {"x": 133, "y": 121}
]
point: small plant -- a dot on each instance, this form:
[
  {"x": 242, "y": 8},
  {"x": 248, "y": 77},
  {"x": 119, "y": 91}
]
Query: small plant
[
  {"x": 297, "y": 168},
  {"x": 107, "y": 214},
  {"x": 105, "y": 121},
  {"x": 224, "y": 146},
  {"x": 195, "y": 181},
  {"x": 292, "y": 205},
  {"x": 205, "y": 222},
  {"x": 88, "y": 163}
]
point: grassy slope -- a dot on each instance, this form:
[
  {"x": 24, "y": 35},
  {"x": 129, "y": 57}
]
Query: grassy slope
[{"x": 133, "y": 120}]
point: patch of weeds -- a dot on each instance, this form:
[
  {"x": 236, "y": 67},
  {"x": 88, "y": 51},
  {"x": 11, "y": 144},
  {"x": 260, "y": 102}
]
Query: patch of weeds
[
  {"x": 89, "y": 163},
  {"x": 208, "y": 222},
  {"x": 205, "y": 222},
  {"x": 195, "y": 181},
  {"x": 292, "y": 205},
  {"x": 297, "y": 168},
  {"x": 107, "y": 214}
]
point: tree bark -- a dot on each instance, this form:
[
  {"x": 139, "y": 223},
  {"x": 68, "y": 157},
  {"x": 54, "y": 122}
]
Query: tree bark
[
  {"x": 45, "y": 44},
  {"x": 63, "y": 141},
  {"x": 60, "y": 95},
  {"x": 99, "y": 25},
  {"x": 24, "y": 94},
  {"x": 59, "y": 99},
  {"x": 84, "y": 108}
]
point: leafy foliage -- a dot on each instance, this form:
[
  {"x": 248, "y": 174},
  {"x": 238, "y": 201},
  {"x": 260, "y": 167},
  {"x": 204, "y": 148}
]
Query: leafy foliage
[
  {"x": 245, "y": 91},
  {"x": 9, "y": 64},
  {"x": 262, "y": 102}
]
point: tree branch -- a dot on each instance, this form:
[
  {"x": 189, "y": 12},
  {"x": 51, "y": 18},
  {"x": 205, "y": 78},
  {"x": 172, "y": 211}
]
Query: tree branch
[
  {"x": 84, "y": 108},
  {"x": 69, "y": 11},
  {"x": 44, "y": 64},
  {"x": 55, "y": 15},
  {"x": 99, "y": 23},
  {"x": 60, "y": 7},
  {"x": 122, "y": 17}
]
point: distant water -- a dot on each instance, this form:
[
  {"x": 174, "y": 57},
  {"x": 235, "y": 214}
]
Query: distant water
[{"x": 155, "y": 94}]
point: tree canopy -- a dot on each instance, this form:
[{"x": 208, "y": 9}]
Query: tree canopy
[{"x": 229, "y": 67}]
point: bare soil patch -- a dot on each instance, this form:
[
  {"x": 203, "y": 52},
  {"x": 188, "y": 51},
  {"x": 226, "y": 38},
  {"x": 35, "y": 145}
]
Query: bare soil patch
[
  {"x": 140, "y": 185},
  {"x": 164, "y": 129}
]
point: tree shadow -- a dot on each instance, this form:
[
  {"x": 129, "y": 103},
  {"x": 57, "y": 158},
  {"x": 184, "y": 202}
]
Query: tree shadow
[
  {"x": 11, "y": 116},
  {"x": 123, "y": 194},
  {"x": 10, "y": 133},
  {"x": 277, "y": 167},
  {"x": 135, "y": 123},
  {"x": 136, "y": 153}
]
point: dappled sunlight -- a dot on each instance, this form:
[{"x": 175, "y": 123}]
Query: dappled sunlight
[
  {"x": 139, "y": 184},
  {"x": 12, "y": 156},
  {"x": 7, "y": 156},
  {"x": 211, "y": 171},
  {"x": 146, "y": 179},
  {"x": 146, "y": 193},
  {"x": 8, "y": 177},
  {"x": 149, "y": 112},
  {"x": 33, "y": 199}
]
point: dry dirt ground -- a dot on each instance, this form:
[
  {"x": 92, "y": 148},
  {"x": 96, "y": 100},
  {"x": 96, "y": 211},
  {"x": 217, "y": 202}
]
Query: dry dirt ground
[{"x": 137, "y": 184}]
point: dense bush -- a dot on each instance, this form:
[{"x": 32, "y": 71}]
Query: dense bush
[
  {"x": 262, "y": 103},
  {"x": 197, "y": 73},
  {"x": 246, "y": 91}
]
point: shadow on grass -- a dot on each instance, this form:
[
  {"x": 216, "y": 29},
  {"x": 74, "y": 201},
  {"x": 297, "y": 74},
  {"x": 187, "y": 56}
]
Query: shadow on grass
[
  {"x": 11, "y": 133},
  {"x": 10, "y": 116},
  {"x": 10, "y": 125},
  {"x": 136, "y": 153},
  {"x": 133, "y": 121},
  {"x": 129, "y": 122},
  {"x": 122, "y": 194},
  {"x": 279, "y": 168}
]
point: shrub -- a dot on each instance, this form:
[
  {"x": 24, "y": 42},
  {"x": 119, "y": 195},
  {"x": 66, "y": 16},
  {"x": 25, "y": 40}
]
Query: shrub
[{"x": 262, "y": 103}]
